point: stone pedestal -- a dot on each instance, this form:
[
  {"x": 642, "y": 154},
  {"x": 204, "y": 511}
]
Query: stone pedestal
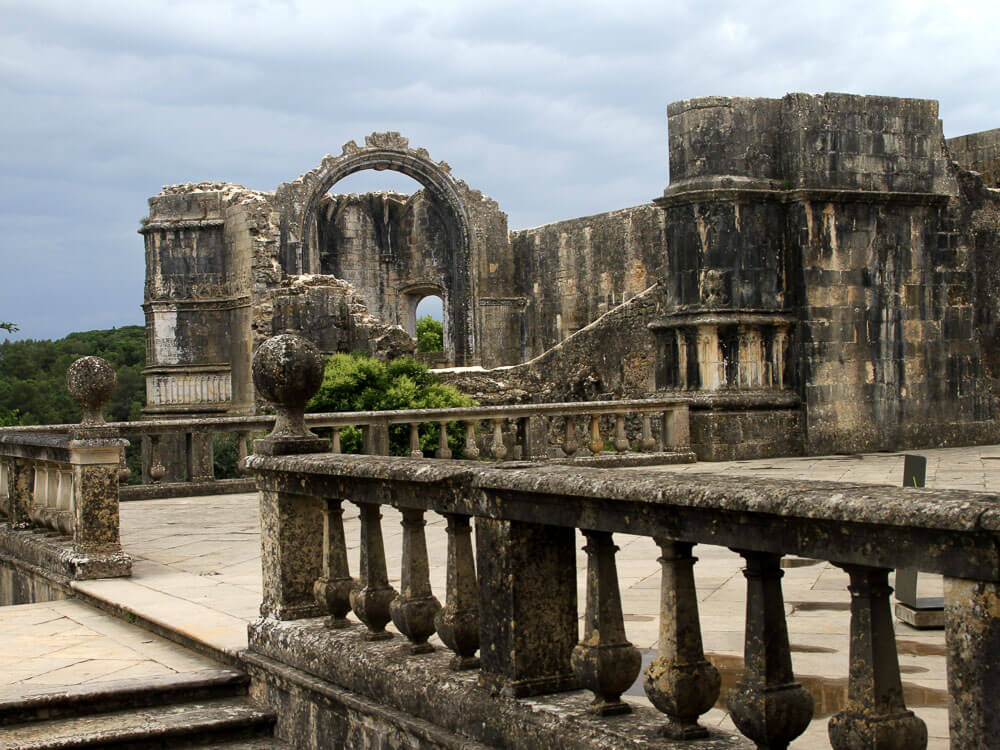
[{"x": 527, "y": 604}]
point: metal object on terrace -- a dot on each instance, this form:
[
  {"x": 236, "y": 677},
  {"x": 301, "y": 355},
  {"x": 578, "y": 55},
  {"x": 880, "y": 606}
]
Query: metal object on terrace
[{"x": 919, "y": 612}]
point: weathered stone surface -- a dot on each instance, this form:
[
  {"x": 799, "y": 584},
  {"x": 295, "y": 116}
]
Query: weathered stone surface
[
  {"x": 91, "y": 381},
  {"x": 331, "y": 689},
  {"x": 824, "y": 247},
  {"x": 972, "y": 635},
  {"x": 287, "y": 371}
]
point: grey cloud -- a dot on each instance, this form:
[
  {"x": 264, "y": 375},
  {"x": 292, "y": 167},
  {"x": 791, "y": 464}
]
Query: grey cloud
[{"x": 555, "y": 109}]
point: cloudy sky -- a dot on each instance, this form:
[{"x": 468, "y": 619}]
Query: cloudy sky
[{"x": 556, "y": 109}]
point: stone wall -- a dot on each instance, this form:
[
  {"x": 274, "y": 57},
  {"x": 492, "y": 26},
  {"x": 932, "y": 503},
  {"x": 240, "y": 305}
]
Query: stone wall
[
  {"x": 979, "y": 152},
  {"x": 572, "y": 272},
  {"x": 818, "y": 276}
]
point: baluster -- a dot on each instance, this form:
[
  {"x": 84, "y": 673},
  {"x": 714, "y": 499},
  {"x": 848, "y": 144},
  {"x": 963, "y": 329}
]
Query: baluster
[
  {"x": 497, "y": 446},
  {"x": 40, "y": 495},
  {"x": 458, "y": 622},
  {"x": 413, "y": 611},
  {"x": 371, "y": 600},
  {"x": 335, "y": 441},
  {"x": 596, "y": 444},
  {"x": 767, "y": 704},
  {"x": 648, "y": 443},
  {"x": 470, "y": 449},
  {"x": 156, "y": 468},
  {"x": 621, "y": 439},
  {"x": 570, "y": 444},
  {"x": 875, "y": 716},
  {"x": 333, "y": 588},
  {"x": 415, "y": 451},
  {"x": 64, "y": 511},
  {"x": 604, "y": 661},
  {"x": 243, "y": 437},
  {"x": 443, "y": 451},
  {"x": 682, "y": 683},
  {"x": 123, "y": 471},
  {"x": 676, "y": 428}
]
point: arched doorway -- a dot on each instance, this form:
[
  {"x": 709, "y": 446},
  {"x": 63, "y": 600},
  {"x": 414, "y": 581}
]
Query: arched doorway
[{"x": 302, "y": 203}]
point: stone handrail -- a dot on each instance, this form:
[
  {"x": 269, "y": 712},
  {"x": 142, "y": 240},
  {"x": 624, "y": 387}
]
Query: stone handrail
[
  {"x": 525, "y": 519},
  {"x": 515, "y": 601},
  {"x": 656, "y": 424},
  {"x": 68, "y": 483}
]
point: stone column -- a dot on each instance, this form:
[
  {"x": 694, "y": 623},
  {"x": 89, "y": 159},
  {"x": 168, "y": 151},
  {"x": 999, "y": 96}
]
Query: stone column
[
  {"x": 287, "y": 371},
  {"x": 972, "y": 636},
  {"x": 527, "y": 606}
]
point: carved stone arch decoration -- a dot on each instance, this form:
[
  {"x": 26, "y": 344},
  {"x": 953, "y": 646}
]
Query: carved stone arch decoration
[
  {"x": 382, "y": 151},
  {"x": 299, "y": 201}
]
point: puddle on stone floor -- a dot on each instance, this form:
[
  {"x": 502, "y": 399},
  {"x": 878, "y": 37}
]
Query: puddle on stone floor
[
  {"x": 811, "y": 649},
  {"x": 820, "y": 606},
  {"x": 916, "y": 648},
  {"x": 829, "y": 693}
]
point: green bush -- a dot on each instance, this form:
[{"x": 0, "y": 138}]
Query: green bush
[
  {"x": 430, "y": 335},
  {"x": 356, "y": 382}
]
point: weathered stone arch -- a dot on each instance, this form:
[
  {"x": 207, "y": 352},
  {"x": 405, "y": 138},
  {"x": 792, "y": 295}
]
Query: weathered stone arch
[{"x": 299, "y": 201}]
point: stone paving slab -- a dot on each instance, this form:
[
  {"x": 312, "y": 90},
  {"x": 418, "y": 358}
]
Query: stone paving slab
[{"x": 55, "y": 645}]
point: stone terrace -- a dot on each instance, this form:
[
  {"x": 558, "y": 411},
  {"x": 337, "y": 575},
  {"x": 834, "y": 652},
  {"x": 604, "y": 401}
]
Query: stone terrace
[{"x": 196, "y": 579}]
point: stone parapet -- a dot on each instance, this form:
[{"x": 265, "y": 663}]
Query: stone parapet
[{"x": 525, "y": 574}]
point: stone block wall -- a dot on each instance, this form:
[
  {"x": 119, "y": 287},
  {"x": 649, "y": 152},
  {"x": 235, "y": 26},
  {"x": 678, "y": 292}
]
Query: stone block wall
[
  {"x": 572, "y": 272},
  {"x": 979, "y": 152}
]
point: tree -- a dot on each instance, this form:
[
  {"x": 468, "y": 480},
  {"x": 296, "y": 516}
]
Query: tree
[
  {"x": 9, "y": 327},
  {"x": 356, "y": 382},
  {"x": 430, "y": 335}
]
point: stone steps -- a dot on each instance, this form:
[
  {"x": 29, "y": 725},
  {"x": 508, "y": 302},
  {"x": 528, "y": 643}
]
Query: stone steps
[{"x": 203, "y": 709}]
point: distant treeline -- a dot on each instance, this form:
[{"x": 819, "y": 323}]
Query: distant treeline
[{"x": 33, "y": 376}]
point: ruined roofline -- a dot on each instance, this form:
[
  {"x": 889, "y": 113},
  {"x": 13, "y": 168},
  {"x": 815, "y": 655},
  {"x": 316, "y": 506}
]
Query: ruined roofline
[
  {"x": 866, "y": 101},
  {"x": 615, "y": 212}
]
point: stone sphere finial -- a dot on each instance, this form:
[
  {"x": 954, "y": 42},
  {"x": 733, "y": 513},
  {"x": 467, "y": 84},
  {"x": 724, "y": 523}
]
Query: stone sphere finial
[
  {"x": 287, "y": 370},
  {"x": 91, "y": 381}
]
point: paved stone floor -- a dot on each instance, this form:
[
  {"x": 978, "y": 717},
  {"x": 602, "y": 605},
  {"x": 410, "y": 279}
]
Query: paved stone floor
[
  {"x": 197, "y": 572},
  {"x": 67, "y": 643}
]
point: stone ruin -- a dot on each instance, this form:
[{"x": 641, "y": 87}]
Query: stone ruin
[{"x": 819, "y": 276}]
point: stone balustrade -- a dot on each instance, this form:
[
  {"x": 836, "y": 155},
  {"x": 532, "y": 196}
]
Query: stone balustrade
[
  {"x": 513, "y": 600},
  {"x": 68, "y": 484}
]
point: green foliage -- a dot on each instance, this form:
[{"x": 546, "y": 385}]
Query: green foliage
[
  {"x": 430, "y": 335},
  {"x": 33, "y": 376},
  {"x": 355, "y": 382},
  {"x": 9, "y": 327}
]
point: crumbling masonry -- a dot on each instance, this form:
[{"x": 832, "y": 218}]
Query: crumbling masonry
[{"x": 820, "y": 275}]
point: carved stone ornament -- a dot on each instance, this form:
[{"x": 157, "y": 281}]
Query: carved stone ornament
[
  {"x": 91, "y": 381},
  {"x": 391, "y": 140}
]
